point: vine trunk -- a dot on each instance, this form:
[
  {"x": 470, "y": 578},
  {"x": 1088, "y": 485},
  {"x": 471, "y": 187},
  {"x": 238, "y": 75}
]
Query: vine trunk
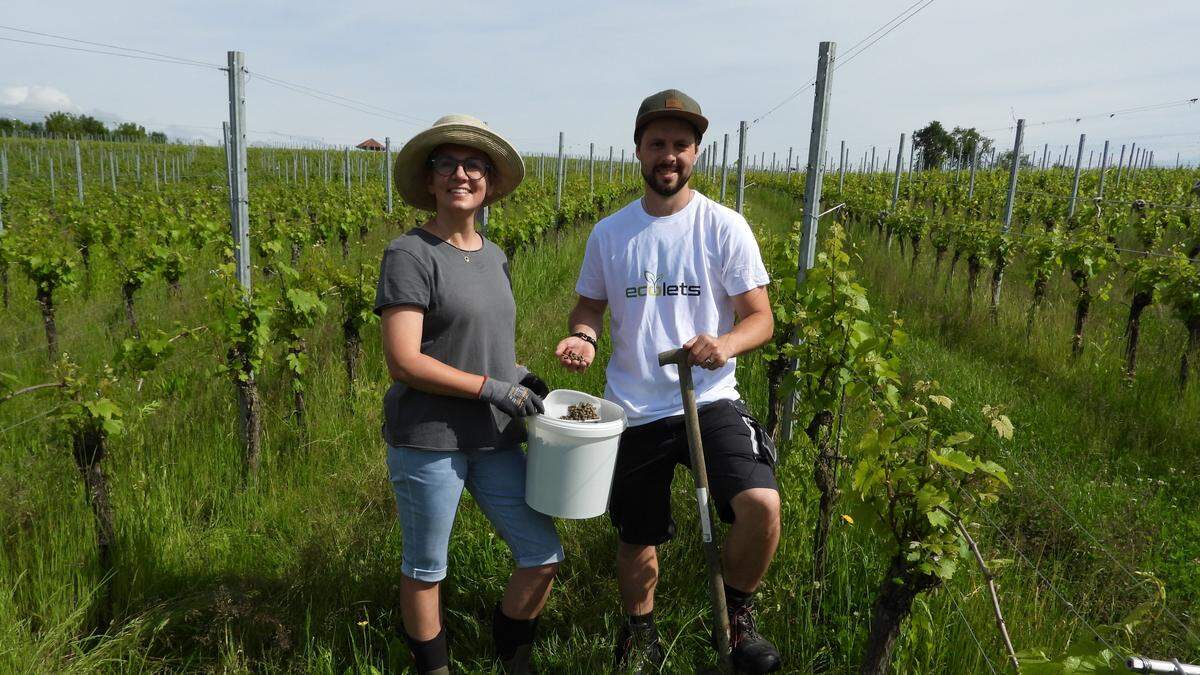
[
  {"x": 45, "y": 301},
  {"x": 1133, "y": 330},
  {"x": 901, "y": 585},
  {"x": 251, "y": 425},
  {"x": 89, "y": 450}
]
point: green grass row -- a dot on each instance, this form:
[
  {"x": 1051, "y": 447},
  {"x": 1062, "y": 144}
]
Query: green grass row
[{"x": 300, "y": 572}]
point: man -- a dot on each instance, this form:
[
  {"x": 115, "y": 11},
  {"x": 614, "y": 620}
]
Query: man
[{"x": 675, "y": 268}]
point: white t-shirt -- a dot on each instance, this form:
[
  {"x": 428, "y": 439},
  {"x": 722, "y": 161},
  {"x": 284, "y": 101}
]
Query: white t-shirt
[{"x": 667, "y": 280}]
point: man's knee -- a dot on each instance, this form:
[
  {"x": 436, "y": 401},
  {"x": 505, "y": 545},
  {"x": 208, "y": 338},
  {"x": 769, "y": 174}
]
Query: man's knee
[
  {"x": 758, "y": 507},
  {"x": 635, "y": 553}
]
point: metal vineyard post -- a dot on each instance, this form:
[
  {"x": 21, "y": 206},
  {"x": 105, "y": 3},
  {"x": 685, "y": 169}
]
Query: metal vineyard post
[
  {"x": 387, "y": 170},
  {"x": 826, "y": 55},
  {"x": 1012, "y": 174},
  {"x": 1120, "y": 166},
  {"x": 1075, "y": 180},
  {"x": 842, "y": 166},
  {"x": 1103, "y": 170},
  {"x": 240, "y": 196},
  {"x": 896, "y": 179},
  {"x": 724, "y": 166},
  {"x": 741, "y": 168},
  {"x": 971, "y": 179},
  {"x": 560, "y": 170}
]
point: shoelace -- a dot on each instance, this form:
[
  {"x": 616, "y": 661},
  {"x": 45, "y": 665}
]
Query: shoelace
[
  {"x": 638, "y": 641},
  {"x": 742, "y": 626}
]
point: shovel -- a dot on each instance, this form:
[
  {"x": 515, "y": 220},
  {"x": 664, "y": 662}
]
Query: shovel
[{"x": 716, "y": 582}]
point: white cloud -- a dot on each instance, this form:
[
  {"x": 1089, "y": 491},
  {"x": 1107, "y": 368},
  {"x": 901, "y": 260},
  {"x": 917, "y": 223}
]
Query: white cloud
[{"x": 36, "y": 98}]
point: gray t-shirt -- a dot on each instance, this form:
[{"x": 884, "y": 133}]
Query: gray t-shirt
[{"x": 470, "y": 323}]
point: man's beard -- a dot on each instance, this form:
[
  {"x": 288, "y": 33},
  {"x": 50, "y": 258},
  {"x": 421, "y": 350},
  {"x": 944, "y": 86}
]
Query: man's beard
[{"x": 652, "y": 181}]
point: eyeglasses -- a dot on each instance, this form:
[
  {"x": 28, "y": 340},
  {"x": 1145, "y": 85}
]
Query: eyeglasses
[{"x": 448, "y": 166}]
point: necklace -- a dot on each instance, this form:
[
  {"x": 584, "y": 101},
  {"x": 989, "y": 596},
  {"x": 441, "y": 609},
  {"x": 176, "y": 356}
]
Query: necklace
[{"x": 464, "y": 253}]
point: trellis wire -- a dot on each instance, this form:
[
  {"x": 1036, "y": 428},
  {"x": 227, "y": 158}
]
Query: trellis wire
[
  {"x": 1050, "y": 585},
  {"x": 1080, "y": 527},
  {"x": 27, "y": 420},
  {"x": 971, "y": 630}
]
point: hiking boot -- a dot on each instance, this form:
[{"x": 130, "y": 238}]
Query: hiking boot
[
  {"x": 519, "y": 664},
  {"x": 638, "y": 649},
  {"x": 750, "y": 651}
]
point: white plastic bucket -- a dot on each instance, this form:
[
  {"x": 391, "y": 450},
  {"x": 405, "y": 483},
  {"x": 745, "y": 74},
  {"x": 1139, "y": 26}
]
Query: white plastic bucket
[{"x": 569, "y": 470}]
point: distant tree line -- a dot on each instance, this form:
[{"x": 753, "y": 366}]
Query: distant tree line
[
  {"x": 937, "y": 146},
  {"x": 63, "y": 124}
]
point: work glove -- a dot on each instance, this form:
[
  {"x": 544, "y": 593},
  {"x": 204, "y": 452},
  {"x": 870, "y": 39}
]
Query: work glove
[
  {"x": 532, "y": 382},
  {"x": 513, "y": 400}
]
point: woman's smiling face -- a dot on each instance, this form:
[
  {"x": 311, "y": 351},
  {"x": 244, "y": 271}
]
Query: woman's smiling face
[{"x": 459, "y": 191}]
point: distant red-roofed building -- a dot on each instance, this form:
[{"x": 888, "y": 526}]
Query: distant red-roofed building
[{"x": 370, "y": 144}]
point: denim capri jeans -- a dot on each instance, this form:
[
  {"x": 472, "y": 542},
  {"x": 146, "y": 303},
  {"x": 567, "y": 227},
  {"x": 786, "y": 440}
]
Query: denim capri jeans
[{"x": 428, "y": 486}]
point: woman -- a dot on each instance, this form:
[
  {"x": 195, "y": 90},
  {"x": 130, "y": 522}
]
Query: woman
[{"x": 448, "y": 322}]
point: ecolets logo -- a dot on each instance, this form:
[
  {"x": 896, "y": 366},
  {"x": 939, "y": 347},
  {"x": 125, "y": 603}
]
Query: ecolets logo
[{"x": 656, "y": 285}]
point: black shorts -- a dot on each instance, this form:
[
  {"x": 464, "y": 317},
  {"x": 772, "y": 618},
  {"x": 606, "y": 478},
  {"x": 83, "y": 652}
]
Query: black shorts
[{"x": 738, "y": 456}]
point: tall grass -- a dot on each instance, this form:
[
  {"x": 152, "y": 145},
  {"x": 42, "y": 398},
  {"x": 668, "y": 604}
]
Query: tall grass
[{"x": 300, "y": 571}]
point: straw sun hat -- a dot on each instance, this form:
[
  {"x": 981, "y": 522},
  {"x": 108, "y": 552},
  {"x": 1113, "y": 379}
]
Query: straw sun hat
[{"x": 411, "y": 170}]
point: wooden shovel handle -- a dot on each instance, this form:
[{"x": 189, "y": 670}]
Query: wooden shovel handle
[{"x": 676, "y": 356}]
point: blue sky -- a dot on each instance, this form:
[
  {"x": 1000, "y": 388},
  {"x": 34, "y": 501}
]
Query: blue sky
[{"x": 533, "y": 68}]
